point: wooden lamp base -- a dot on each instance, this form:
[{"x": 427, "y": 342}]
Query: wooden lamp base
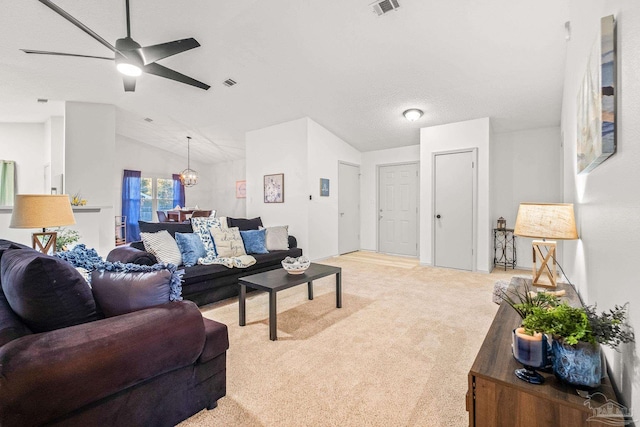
[
  {"x": 545, "y": 275},
  {"x": 44, "y": 242}
]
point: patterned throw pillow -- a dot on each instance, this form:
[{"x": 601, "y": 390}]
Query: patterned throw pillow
[
  {"x": 278, "y": 238},
  {"x": 162, "y": 246},
  {"x": 228, "y": 242},
  {"x": 254, "y": 241},
  {"x": 202, "y": 226}
]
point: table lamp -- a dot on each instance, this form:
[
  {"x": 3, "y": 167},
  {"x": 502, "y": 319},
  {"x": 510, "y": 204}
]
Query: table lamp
[
  {"x": 42, "y": 211},
  {"x": 545, "y": 221}
]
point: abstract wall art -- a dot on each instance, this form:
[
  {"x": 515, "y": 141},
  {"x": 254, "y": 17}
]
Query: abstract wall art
[{"x": 596, "y": 137}]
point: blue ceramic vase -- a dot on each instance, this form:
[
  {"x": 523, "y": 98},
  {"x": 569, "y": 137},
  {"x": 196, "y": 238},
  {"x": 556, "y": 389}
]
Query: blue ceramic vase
[{"x": 578, "y": 365}]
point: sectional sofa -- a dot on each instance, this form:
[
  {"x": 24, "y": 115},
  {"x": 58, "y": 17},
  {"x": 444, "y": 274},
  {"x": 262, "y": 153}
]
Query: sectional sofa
[
  {"x": 204, "y": 284},
  {"x": 64, "y": 362}
]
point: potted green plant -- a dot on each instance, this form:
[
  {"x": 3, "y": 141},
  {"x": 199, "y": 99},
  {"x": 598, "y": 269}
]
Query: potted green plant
[
  {"x": 65, "y": 238},
  {"x": 523, "y": 300},
  {"x": 577, "y": 335},
  {"x": 530, "y": 349}
]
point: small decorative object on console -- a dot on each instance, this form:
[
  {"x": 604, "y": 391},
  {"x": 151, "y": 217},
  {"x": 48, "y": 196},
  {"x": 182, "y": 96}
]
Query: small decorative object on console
[
  {"x": 532, "y": 352},
  {"x": 296, "y": 265},
  {"x": 502, "y": 223}
]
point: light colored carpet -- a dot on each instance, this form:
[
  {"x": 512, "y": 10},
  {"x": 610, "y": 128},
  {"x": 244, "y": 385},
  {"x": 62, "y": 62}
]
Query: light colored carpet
[{"x": 396, "y": 354}]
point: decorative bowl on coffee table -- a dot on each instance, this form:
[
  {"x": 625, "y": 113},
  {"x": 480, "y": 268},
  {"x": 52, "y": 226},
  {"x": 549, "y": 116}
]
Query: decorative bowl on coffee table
[{"x": 296, "y": 265}]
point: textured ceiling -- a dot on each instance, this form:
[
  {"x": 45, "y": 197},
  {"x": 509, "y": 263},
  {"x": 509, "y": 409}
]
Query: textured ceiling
[{"x": 333, "y": 60}]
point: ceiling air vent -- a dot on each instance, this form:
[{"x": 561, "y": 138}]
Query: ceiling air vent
[
  {"x": 148, "y": 120},
  {"x": 384, "y": 6},
  {"x": 229, "y": 82}
]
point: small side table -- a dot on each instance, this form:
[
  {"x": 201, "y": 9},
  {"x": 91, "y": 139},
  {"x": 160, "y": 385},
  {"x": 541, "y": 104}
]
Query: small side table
[{"x": 504, "y": 248}]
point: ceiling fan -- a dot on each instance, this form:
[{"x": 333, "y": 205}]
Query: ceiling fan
[{"x": 132, "y": 59}]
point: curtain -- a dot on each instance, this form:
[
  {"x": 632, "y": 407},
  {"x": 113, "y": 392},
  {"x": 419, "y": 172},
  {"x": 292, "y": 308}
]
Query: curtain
[
  {"x": 7, "y": 182},
  {"x": 131, "y": 203},
  {"x": 178, "y": 191}
]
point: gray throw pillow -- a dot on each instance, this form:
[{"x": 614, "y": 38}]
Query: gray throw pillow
[{"x": 278, "y": 238}]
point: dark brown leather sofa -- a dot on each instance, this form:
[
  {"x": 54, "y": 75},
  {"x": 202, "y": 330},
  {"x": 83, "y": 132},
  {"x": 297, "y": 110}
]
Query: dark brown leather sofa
[{"x": 152, "y": 367}]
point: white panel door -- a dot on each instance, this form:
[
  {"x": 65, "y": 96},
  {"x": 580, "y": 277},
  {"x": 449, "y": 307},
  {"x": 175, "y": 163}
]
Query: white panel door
[
  {"x": 398, "y": 209},
  {"x": 348, "y": 208},
  {"x": 453, "y": 210}
]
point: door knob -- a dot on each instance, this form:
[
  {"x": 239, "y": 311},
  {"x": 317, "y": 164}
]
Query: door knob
[{"x": 438, "y": 216}]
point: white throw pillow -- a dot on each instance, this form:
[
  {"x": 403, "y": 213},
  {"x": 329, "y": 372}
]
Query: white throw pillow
[
  {"x": 162, "y": 246},
  {"x": 278, "y": 238},
  {"x": 228, "y": 242}
]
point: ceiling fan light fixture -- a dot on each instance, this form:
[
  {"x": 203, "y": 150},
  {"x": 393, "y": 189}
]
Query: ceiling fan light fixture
[
  {"x": 129, "y": 69},
  {"x": 412, "y": 114}
]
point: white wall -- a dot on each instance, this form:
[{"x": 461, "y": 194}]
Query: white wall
[
  {"x": 369, "y": 188},
  {"x": 25, "y": 144},
  {"x": 224, "y": 176},
  {"x": 526, "y": 166},
  {"x": 90, "y": 163},
  {"x": 305, "y": 152},
  {"x": 456, "y": 136},
  {"x": 157, "y": 163},
  {"x": 56, "y": 144},
  {"x": 276, "y": 149},
  {"x": 325, "y": 152},
  {"x": 603, "y": 263}
]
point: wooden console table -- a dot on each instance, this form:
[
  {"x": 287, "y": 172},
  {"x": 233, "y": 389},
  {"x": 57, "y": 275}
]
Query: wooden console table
[{"x": 497, "y": 398}]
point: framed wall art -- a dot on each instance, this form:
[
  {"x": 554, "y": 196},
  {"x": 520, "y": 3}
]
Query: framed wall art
[
  {"x": 324, "y": 187},
  {"x": 596, "y": 137},
  {"x": 274, "y": 188},
  {"x": 241, "y": 189}
]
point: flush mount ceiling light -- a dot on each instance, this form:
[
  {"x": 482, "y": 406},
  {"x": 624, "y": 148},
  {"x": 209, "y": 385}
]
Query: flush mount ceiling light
[
  {"x": 189, "y": 177},
  {"x": 412, "y": 114}
]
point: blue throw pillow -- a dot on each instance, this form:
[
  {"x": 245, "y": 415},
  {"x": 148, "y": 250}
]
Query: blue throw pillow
[
  {"x": 191, "y": 248},
  {"x": 254, "y": 241}
]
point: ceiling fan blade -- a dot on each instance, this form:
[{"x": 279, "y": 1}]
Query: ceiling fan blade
[
  {"x": 167, "y": 73},
  {"x": 78, "y": 24},
  {"x": 159, "y": 51},
  {"x": 129, "y": 83},
  {"x": 44, "y": 52}
]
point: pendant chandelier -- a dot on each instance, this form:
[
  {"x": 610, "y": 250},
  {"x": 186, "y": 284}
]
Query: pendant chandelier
[{"x": 189, "y": 177}]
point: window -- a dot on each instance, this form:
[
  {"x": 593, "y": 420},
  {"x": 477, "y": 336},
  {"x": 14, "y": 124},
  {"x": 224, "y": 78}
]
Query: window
[
  {"x": 155, "y": 195},
  {"x": 165, "y": 194}
]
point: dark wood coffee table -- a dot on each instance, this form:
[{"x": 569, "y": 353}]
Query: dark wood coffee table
[{"x": 277, "y": 280}]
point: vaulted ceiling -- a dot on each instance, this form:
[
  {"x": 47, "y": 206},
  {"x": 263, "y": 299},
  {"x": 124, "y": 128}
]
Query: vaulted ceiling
[{"x": 334, "y": 60}]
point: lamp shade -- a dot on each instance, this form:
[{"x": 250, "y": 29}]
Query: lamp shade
[
  {"x": 41, "y": 211},
  {"x": 546, "y": 221}
]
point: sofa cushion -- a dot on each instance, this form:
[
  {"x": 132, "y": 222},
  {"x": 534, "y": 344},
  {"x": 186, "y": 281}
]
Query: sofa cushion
[
  {"x": 202, "y": 227},
  {"x": 191, "y": 248},
  {"x": 254, "y": 241},
  {"x": 11, "y": 326},
  {"x": 131, "y": 255},
  {"x": 162, "y": 246},
  {"x": 171, "y": 227},
  {"x": 47, "y": 293},
  {"x": 216, "y": 340},
  {"x": 278, "y": 238},
  {"x": 245, "y": 224},
  {"x": 228, "y": 242},
  {"x": 124, "y": 288}
]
